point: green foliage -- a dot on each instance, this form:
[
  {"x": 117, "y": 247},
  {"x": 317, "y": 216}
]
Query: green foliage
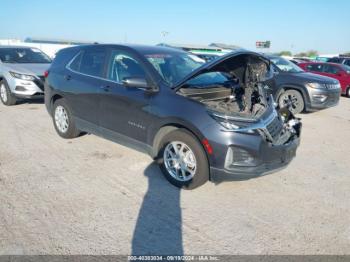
[
  {"x": 310, "y": 53},
  {"x": 285, "y": 53}
]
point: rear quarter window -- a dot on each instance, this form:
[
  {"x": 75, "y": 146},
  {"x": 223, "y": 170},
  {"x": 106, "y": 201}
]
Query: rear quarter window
[{"x": 62, "y": 58}]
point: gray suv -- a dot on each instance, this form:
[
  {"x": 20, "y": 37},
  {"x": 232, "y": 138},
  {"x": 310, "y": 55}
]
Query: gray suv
[
  {"x": 199, "y": 121},
  {"x": 22, "y": 72}
]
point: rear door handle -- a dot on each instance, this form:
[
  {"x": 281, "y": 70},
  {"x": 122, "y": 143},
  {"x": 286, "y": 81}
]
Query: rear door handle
[
  {"x": 67, "y": 77},
  {"x": 105, "y": 88}
]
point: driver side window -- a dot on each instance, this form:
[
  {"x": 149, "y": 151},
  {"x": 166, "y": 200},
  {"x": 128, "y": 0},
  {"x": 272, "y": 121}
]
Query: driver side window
[{"x": 122, "y": 65}]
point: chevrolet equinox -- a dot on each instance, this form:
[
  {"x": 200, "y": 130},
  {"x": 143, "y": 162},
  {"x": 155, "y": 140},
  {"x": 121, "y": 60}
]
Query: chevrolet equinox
[{"x": 199, "y": 121}]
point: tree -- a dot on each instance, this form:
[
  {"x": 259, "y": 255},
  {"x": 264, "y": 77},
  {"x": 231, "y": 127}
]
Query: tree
[
  {"x": 310, "y": 53},
  {"x": 285, "y": 53}
]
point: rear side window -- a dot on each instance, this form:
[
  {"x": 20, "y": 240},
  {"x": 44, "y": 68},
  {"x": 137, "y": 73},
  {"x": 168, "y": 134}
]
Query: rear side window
[
  {"x": 330, "y": 69},
  {"x": 89, "y": 62},
  {"x": 315, "y": 67}
]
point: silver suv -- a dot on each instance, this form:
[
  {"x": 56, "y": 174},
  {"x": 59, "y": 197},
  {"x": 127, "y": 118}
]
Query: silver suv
[{"x": 22, "y": 72}]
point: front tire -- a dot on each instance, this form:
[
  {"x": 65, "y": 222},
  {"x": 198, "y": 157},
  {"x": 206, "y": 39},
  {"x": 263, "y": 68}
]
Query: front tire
[
  {"x": 293, "y": 99},
  {"x": 348, "y": 92},
  {"x": 63, "y": 120},
  {"x": 7, "y": 98},
  {"x": 183, "y": 160}
]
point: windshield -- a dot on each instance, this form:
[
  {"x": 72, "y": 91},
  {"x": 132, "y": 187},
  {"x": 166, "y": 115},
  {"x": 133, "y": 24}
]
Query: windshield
[
  {"x": 23, "y": 56},
  {"x": 174, "y": 66},
  {"x": 285, "y": 65}
]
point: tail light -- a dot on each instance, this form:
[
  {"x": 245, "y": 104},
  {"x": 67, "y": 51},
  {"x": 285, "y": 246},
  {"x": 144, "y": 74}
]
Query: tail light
[{"x": 46, "y": 73}]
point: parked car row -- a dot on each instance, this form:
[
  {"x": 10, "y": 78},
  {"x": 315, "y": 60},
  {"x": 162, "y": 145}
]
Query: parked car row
[
  {"x": 341, "y": 72},
  {"x": 302, "y": 90},
  {"x": 200, "y": 121}
]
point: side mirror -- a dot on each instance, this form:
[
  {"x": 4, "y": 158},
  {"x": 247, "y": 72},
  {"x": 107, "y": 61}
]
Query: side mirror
[{"x": 136, "y": 82}]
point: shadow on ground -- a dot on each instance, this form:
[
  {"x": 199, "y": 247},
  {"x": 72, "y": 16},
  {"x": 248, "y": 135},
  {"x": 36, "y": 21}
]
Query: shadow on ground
[
  {"x": 159, "y": 224},
  {"x": 30, "y": 101}
]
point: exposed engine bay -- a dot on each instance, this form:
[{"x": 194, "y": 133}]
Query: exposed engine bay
[
  {"x": 235, "y": 90},
  {"x": 234, "y": 87}
]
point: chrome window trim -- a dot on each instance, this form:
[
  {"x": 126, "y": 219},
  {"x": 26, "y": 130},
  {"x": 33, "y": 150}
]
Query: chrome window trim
[
  {"x": 96, "y": 77},
  {"x": 79, "y": 73}
]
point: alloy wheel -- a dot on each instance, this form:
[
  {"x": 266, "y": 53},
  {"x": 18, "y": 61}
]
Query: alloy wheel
[
  {"x": 292, "y": 100},
  {"x": 3, "y": 93},
  {"x": 180, "y": 161},
  {"x": 61, "y": 119}
]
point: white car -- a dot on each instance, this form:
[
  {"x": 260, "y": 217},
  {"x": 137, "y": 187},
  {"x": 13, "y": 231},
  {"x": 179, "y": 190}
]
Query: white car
[{"x": 22, "y": 72}]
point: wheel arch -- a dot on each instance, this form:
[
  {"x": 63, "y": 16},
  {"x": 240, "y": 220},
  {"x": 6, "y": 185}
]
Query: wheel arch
[
  {"x": 165, "y": 129},
  {"x": 54, "y": 98}
]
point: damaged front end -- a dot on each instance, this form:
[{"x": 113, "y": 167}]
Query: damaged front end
[
  {"x": 234, "y": 92},
  {"x": 276, "y": 126}
]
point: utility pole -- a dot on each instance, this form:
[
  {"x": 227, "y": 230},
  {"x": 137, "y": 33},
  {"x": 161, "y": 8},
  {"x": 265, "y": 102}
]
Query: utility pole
[{"x": 164, "y": 34}]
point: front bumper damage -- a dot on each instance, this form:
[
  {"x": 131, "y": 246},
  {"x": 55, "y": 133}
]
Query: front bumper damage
[{"x": 271, "y": 148}]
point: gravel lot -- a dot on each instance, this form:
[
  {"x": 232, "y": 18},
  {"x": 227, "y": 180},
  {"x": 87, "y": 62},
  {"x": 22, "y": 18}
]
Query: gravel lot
[{"x": 92, "y": 196}]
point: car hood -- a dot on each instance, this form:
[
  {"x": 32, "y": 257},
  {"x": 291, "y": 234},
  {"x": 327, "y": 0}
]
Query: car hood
[
  {"x": 208, "y": 67},
  {"x": 314, "y": 78},
  {"x": 28, "y": 69}
]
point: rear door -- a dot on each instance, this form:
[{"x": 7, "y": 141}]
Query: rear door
[
  {"x": 125, "y": 110},
  {"x": 84, "y": 79},
  {"x": 314, "y": 68},
  {"x": 334, "y": 72}
]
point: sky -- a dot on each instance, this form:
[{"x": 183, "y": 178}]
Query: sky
[{"x": 294, "y": 25}]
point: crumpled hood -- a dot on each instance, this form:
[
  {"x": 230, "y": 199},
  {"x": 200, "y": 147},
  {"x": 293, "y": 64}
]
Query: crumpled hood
[
  {"x": 314, "y": 78},
  {"x": 28, "y": 69}
]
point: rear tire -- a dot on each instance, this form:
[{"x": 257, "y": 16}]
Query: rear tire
[
  {"x": 294, "y": 98},
  {"x": 63, "y": 120},
  {"x": 348, "y": 92},
  {"x": 189, "y": 168},
  {"x": 7, "y": 98}
]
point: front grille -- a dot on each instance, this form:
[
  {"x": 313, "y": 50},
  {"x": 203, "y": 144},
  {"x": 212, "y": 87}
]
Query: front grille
[
  {"x": 274, "y": 128},
  {"x": 332, "y": 86}
]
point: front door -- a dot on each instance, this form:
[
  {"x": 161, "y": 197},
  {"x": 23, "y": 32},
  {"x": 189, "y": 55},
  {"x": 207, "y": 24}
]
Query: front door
[{"x": 125, "y": 110}]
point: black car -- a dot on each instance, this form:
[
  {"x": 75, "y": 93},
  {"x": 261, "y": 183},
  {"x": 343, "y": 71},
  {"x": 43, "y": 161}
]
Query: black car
[
  {"x": 200, "y": 121},
  {"x": 300, "y": 90},
  {"x": 340, "y": 60}
]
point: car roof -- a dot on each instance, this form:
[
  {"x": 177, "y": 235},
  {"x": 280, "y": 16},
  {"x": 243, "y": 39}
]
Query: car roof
[
  {"x": 323, "y": 63},
  {"x": 16, "y": 46},
  {"x": 142, "y": 49}
]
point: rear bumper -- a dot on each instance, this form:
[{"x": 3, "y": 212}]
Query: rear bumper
[
  {"x": 320, "y": 99},
  {"x": 272, "y": 159}
]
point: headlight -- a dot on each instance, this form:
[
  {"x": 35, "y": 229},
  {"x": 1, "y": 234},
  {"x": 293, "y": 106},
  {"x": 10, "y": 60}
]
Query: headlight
[
  {"x": 316, "y": 85},
  {"x": 22, "y": 76},
  {"x": 230, "y": 125}
]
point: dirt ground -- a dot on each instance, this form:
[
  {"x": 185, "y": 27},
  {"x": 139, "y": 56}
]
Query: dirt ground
[{"x": 92, "y": 196}]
